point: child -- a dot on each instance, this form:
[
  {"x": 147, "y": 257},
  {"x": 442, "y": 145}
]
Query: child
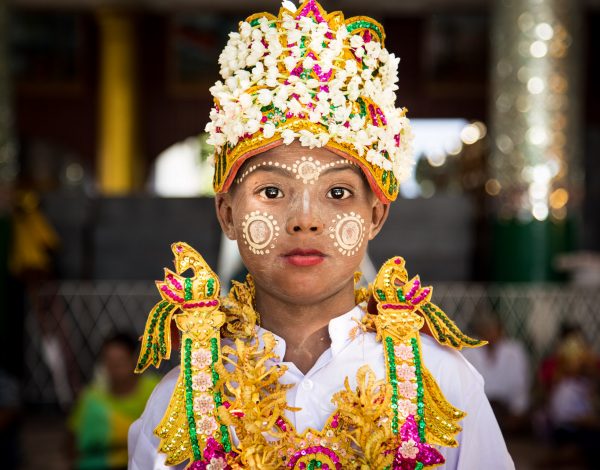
[{"x": 295, "y": 368}]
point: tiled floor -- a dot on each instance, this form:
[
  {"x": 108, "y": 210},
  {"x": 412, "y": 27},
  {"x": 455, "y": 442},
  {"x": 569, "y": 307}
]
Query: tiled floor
[{"x": 44, "y": 446}]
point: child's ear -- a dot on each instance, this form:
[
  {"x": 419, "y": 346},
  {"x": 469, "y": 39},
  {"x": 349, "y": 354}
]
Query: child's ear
[
  {"x": 225, "y": 214},
  {"x": 379, "y": 214}
]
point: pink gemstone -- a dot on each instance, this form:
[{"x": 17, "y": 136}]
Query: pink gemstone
[
  {"x": 179, "y": 248},
  {"x": 397, "y": 261}
]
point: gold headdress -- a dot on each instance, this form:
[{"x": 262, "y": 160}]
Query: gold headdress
[{"x": 316, "y": 77}]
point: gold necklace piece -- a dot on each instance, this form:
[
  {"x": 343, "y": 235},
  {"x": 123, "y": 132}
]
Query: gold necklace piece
[{"x": 227, "y": 386}]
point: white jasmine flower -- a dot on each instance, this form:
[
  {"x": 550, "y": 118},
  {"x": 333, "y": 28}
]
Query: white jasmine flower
[
  {"x": 351, "y": 67},
  {"x": 308, "y": 63},
  {"x": 269, "y": 130},
  {"x": 356, "y": 41},
  {"x": 288, "y": 22},
  {"x": 315, "y": 116},
  {"x": 306, "y": 24},
  {"x": 294, "y": 107},
  {"x": 245, "y": 29},
  {"x": 257, "y": 34},
  {"x": 294, "y": 36},
  {"x": 321, "y": 28},
  {"x": 251, "y": 126},
  {"x": 288, "y": 6},
  {"x": 265, "y": 97},
  {"x": 288, "y": 136},
  {"x": 290, "y": 63},
  {"x": 245, "y": 100}
]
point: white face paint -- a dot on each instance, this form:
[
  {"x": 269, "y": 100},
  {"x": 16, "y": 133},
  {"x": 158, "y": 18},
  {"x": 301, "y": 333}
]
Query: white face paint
[
  {"x": 260, "y": 232},
  {"x": 306, "y": 202},
  {"x": 348, "y": 233},
  {"x": 307, "y": 169}
]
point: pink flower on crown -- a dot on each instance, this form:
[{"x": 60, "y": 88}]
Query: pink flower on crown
[
  {"x": 203, "y": 404},
  {"x": 407, "y": 389},
  {"x": 406, "y": 408},
  {"x": 206, "y": 425},
  {"x": 405, "y": 372},
  {"x": 201, "y": 358},
  {"x": 201, "y": 382},
  {"x": 404, "y": 352}
]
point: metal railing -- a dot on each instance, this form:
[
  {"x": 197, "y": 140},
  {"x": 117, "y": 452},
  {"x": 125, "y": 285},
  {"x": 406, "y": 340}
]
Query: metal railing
[{"x": 67, "y": 323}]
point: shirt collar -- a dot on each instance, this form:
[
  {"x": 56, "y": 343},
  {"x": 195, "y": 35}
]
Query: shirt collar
[{"x": 340, "y": 332}]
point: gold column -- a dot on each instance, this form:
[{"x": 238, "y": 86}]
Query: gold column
[{"x": 118, "y": 156}]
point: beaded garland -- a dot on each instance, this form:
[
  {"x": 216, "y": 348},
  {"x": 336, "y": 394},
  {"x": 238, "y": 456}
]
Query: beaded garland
[
  {"x": 315, "y": 77},
  {"x": 382, "y": 424}
]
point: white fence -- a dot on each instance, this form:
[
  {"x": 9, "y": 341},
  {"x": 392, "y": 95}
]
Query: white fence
[{"x": 67, "y": 323}]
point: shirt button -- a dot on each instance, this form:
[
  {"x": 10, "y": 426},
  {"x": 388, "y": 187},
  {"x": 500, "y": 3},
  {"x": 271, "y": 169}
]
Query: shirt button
[{"x": 307, "y": 384}]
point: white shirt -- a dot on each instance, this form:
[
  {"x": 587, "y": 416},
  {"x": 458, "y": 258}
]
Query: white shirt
[
  {"x": 481, "y": 444},
  {"x": 506, "y": 373}
]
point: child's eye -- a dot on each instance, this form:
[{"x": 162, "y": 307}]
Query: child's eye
[
  {"x": 271, "y": 192},
  {"x": 339, "y": 193}
]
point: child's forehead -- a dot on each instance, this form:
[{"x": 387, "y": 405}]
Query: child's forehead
[
  {"x": 294, "y": 153},
  {"x": 298, "y": 162}
]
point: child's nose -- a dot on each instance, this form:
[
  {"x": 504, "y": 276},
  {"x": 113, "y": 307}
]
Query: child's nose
[{"x": 304, "y": 223}]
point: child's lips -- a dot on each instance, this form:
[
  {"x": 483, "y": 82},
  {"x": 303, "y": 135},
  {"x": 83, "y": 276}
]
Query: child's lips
[{"x": 304, "y": 257}]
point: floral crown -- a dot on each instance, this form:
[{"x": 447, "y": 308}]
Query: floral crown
[{"x": 315, "y": 77}]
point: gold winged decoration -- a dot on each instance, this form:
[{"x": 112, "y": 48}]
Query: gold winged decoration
[
  {"x": 191, "y": 422},
  {"x": 403, "y": 307},
  {"x": 394, "y": 292}
]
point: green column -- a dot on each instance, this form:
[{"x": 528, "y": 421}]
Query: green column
[{"x": 535, "y": 129}]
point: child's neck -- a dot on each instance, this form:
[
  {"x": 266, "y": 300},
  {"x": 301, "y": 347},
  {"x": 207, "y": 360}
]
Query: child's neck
[{"x": 303, "y": 327}]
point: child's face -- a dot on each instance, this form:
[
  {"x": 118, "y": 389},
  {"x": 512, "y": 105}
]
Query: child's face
[{"x": 302, "y": 219}]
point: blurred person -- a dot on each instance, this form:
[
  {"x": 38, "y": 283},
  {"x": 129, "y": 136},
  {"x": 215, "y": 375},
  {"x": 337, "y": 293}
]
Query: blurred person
[
  {"x": 573, "y": 408},
  {"x": 104, "y": 411},
  {"x": 298, "y": 367},
  {"x": 504, "y": 365}
]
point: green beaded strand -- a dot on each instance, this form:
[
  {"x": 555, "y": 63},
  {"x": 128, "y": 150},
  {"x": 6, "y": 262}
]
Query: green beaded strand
[
  {"x": 389, "y": 346},
  {"x": 420, "y": 393},
  {"x": 148, "y": 350},
  {"x": 189, "y": 406},
  {"x": 218, "y": 399},
  {"x": 362, "y": 24},
  {"x": 188, "y": 289},
  {"x": 210, "y": 287}
]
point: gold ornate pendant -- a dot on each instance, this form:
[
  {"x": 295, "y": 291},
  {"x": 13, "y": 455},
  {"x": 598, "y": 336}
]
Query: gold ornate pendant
[{"x": 228, "y": 409}]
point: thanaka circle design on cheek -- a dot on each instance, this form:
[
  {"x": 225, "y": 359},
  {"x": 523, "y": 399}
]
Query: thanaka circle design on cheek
[
  {"x": 348, "y": 233},
  {"x": 260, "y": 232}
]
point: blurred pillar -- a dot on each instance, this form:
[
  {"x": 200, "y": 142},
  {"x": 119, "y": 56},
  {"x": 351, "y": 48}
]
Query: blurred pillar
[
  {"x": 118, "y": 159},
  {"x": 8, "y": 173},
  {"x": 535, "y": 122}
]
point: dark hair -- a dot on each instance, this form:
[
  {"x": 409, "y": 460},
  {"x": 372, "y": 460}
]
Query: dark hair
[{"x": 128, "y": 340}]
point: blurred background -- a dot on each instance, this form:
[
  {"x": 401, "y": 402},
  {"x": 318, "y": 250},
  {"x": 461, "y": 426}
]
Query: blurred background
[{"x": 103, "y": 104}]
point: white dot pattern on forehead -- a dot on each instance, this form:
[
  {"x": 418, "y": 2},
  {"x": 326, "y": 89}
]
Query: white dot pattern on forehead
[
  {"x": 260, "y": 232},
  {"x": 307, "y": 168},
  {"x": 348, "y": 233}
]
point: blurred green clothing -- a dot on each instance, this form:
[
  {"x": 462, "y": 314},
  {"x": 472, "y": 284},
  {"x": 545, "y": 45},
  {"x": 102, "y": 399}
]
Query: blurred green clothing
[{"x": 100, "y": 421}]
